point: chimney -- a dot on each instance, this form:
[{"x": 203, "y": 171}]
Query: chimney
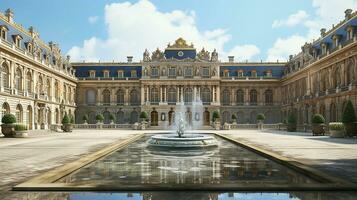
[
  {"x": 348, "y": 14},
  {"x": 323, "y": 32},
  {"x": 9, "y": 15},
  {"x": 231, "y": 59},
  {"x": 129, "y": 59}
]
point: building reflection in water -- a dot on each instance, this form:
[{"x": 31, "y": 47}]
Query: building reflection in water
[{"x": 226, "y": 164}]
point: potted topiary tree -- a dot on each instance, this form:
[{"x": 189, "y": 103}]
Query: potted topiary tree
[
  {"x": 143, "y": 116},
  {"x": 99, "y": 118},
  {"x": 318, "y": 124},
  {"x": 349, "y": 119},
  {"x": 234, "y": 119},
  {"x": 260, "y": 120},
  {"x": 216, "y": 120},
  {"x": 85, "y": 119},
  {"x": 291, "y": 126},
  {"x": 336, "y": 129},
  {"x": 7, "y": 126},
  {"x": 20, "y": 130},
  {"x": 111, "y": 118},
  {"x": 66, "y": 124}
]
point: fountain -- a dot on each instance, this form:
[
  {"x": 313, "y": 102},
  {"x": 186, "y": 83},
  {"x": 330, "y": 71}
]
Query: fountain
[{"x": 182, "y": 140}]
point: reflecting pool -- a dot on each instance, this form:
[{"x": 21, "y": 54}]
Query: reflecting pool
[{"x": 228, "y": 165}]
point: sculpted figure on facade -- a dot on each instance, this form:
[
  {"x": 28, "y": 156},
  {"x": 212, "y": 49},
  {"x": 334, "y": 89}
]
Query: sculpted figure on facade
[
  {"x": 146, "y": 56},
  {"x": 203, "y": 55},
  {"x": 214, "y": 57},
  {"x": 157, "y": 55},
  {"x": 145, "y": 73}
]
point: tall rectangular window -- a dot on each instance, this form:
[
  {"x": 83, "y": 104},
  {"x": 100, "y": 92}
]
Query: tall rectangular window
[
  {"x": 188, "y": 72},
  {"x": 205, "y": 71},
  {"x": 106, "y": 74},
  {"x": 172, "y": 72},
  {"x": 92, "y": 74},
  {"x": 120, "y": 74},
  {"x": 133, "y": 74},
  {"x": 154, "y": 72}
]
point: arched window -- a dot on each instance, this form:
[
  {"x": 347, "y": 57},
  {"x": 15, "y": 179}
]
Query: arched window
[
  {"x": 268, "y": 97},
  {"x": 171, "y": 96},
  {"x": 57, "y": 91},
  {"x": 206, "y": 95},
  {"x": 134, "y": 97},
  {"x": 29, "y": 82},
  {"x": 154, "y": 95},
  {"x": 188, "y": 95},
  {"x": 350, "y": 74},
  {"x": 18, "y": 79},
  {"x": 5, "y": 75},
  {"x": 333, "y": 113},
  {"x": 253, "y": 97},
  {"x": 90, "y": 97},
  {"x": 18, "y": 113},
  {"x": 120, "y": 97},
  {"x": 226, "y": 97},
  {"x": 337, "y": 75},
  {"x": 106, "y": 97},
  {"x": 5, "y": 109},
  {"x": 64, "y": 92},
  {"x": 240, "y": 97},
  {"x": 40, "y": 85},
  {"x": 48, "y": 87}
]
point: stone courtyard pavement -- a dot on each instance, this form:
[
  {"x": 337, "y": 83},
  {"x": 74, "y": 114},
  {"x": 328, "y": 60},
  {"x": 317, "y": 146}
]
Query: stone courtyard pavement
[
  {"x": 23, "y": 158},
  {"x": 336, "y": 156}
]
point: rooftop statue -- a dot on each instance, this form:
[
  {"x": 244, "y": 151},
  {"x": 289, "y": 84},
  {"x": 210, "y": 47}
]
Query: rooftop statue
[
  {"x": 214, "y": 57},
  {"x": 203, "y": 55},
  {"x": 146, "y": 56}
]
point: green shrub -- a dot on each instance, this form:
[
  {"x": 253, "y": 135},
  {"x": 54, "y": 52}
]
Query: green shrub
[
  {"x": 215, "y": 115},
  {"x": 8, "y": 119},
  {"x": 85, "y": 118},
  {"x": 291, "y": 119},
  {"x": 260, "y": 117},
  {"x": 143, "y": 115},
  {"x": 99, "y": 117},
  {"x": 336, "y": 126},
  {"x": 20, "y": 127},
  {"x": 284, "y": 121},
  {"x": 112, "y": 117},
  {"x": 234, "y": 117},
  {"x": 349, "y": 115},
  {"x": 318, "y": 119},
  {"x": 65, "y": 119}
]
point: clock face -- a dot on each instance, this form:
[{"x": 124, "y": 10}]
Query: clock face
[{"x": 180, "y": 53}]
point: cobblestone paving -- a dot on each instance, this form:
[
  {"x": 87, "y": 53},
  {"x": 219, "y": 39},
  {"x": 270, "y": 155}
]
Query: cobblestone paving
[{"x": 337, "y": 156}]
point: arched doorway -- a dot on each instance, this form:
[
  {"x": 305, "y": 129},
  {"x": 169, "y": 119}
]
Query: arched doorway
[
  {"x": 18, "y": 113},
  {"x": 5, "y": 109},
  {"x": 57, "y": 116},
  {"x": 106, "y": 117},
  {"x": 206, "y": 120},
  {"x": 134, "y": 117},
  {"x": 226, "y": 117},
  {"x": 154, "y": 118},
  {"x": 29, "y": 117},
  {"x": 171, "y": 117},
  {"x": 91, "y": 118},
  {"x": 120, "y": 117}
]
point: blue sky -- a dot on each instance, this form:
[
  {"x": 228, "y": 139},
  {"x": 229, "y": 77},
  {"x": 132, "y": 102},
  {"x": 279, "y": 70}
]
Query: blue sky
[{"x": 111, "y": 30}]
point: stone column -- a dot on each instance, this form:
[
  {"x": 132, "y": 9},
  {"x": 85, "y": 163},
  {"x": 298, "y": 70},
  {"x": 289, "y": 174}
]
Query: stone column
[
  {"x": 165, "y": 93},
  {"x": 161, "y": 89},
  {"x": 232, "y": 97},
  {"x": 142, "y": 97},
  {"x": 194, "y": 93},
  {"x": 98, "y": 98},
  {"x": 181, "y": 95},
  {"x": 112, "y": 96},
  {"x": 218, "y": 95},
  {"x": 177, "y": 94},
  {"x": 126, "y": 97}
]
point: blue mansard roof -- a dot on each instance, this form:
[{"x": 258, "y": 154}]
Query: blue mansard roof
[
  {"x": 261, "y": 69},
  {"x": 83, "y": 71}
]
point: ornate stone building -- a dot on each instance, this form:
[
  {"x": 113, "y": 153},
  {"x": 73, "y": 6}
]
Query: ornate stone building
[
  {"x": 39, "y": 86},
  {"x": 36, "y": 83},
  {"x": 179, "y": 78}
]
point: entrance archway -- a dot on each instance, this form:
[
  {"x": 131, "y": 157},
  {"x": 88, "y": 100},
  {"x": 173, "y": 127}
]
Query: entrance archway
[
  {"x": 171, "y": 117},
  {"x": 206, "y": 120},
  {"x": 154, "y": 118}
]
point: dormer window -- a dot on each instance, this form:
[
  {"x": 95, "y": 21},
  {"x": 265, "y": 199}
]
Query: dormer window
[
  {"x": 226, "y": 73},
  {"x": 349, "y": 32},
  {"x": 92, "y": 74},
  {"x": 336, "y": 40},
  {"x": 154, "y": 72},
  {"x": 120, "y": 74},
  {"x": 133, "y": 73},
  {"x": 17, "y": 40},
  {"x": 323, "y": 48},
  {"x": 106, "y": 74},
  {"x": 240, "y": 73},
  {"x": 254, "y": 73},
  {"x": 29, "y": 47},
  {"x": 3, "y": 32}
]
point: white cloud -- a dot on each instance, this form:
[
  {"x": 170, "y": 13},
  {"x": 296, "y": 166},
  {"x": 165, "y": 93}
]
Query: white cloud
[
  {"x": 244, "y": 52},
  {"x": 292, "y": 20},
  {"x": 133, "y": 27},
  {"x": 283, "y": 47},
  {"x": 328, "y": 12},
  {"x": 93, "y": 19}
]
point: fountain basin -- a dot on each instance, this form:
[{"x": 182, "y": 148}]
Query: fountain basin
[{"x": 186, "y": 141}]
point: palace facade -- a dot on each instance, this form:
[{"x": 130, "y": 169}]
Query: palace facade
[{"x": 40, "y": 86}]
